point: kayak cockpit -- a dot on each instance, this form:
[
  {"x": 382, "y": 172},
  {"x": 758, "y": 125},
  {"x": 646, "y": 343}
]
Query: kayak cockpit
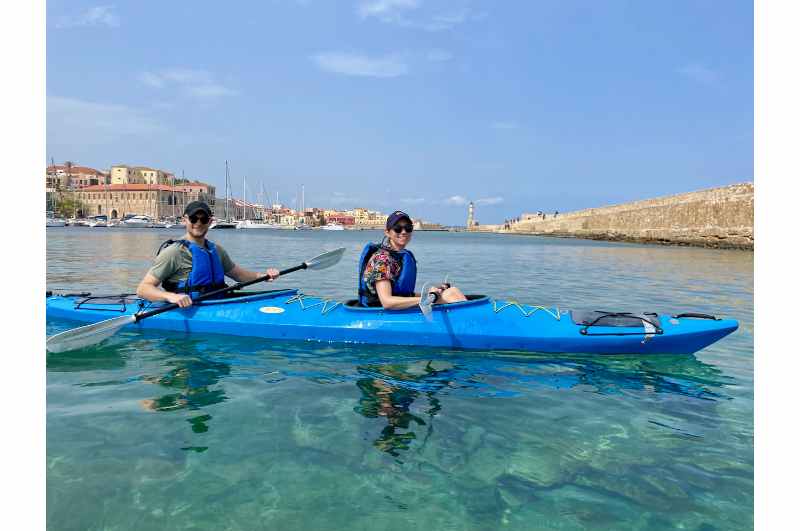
[{"x": 472, "y": 300}]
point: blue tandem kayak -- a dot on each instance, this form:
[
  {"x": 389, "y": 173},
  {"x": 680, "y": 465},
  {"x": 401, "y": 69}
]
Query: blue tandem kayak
[{"x": 481, "y": 323}]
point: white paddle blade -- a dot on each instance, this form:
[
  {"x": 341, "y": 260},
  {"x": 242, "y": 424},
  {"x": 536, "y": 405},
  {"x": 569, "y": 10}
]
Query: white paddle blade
[
  {"x": 86, "y": 336},
  {"x": 426, "y": 301},
  {"x": 326, "y": 259}
]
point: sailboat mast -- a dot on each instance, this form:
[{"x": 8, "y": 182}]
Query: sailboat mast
[
  {"x": 226, "y": 191},
  {"x": 52, "y": 202},
  {"x": 173, "y": 194}
]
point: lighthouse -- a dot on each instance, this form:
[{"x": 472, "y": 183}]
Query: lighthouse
[{"x": 471, "y": 215}]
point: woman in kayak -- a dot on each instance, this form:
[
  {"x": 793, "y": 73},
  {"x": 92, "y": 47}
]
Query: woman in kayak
[
  {"x": 387, "y": 273},
  {"x": 192, "y": 265}
]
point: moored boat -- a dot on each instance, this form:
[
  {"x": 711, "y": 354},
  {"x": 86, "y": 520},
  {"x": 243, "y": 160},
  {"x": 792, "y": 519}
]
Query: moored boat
[
  {"x": 136, "y": 221},
  {"x": 480, "y": 323},
  {"x": 56, "y": 222},
  {"x": 223, "y": 224},
  {"x": 333, "y": 226},
  {"x": 255, "y": 224},
  {"x": 98, "y": 221}
]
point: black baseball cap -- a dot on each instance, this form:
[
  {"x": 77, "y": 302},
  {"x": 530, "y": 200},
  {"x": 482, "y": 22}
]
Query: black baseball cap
[
  {"x": 197, "y": 206},
  {"x": 396, "y": 216}
]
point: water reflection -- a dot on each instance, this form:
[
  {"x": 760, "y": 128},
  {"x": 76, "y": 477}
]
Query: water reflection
[
  {"x": 390, "y": 390},
  {"x": 100, "y": 358},
  {"x": 190, "y": 380},
  {"x": 676, "y": 375}
]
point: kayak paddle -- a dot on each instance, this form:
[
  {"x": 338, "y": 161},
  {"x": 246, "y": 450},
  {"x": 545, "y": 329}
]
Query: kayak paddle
[
  {"x": 426, "y": 300},
  {"x": 92, "y": 334}
]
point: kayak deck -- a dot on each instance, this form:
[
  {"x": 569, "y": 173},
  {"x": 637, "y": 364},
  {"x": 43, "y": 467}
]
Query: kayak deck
[{"x": 481, "y": 323}]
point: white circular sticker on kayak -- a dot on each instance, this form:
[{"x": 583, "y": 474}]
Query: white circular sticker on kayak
[{"x": 271, "y": 309}]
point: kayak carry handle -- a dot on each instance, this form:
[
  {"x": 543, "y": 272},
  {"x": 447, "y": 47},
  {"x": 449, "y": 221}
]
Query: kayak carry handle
[{"x": 697, "y": 316}]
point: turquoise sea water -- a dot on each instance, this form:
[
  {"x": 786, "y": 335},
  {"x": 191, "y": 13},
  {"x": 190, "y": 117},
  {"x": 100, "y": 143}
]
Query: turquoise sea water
[{"x": 166, "y": 431}]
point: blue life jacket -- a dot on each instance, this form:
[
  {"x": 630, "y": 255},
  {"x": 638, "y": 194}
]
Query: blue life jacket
[
  {"x": 402, "y": 286},
  {"x": 207, "y": 272}
]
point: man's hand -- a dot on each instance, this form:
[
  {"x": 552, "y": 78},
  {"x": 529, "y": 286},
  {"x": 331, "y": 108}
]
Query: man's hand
[
  {"x": 272, "y": 273},
  {"x": 181, "y": 299}
]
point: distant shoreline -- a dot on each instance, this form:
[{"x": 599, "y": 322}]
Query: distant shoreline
[{"x": 717, "y": 218}]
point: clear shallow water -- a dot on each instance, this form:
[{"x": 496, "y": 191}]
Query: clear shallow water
[{"x": 157, "y": 431}]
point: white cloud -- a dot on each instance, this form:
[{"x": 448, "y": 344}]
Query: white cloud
[
  {"x": 489, "y": 201},
  {"x": 384, "y": 8},
  {"x": 439, "y": 56},
  {"x": 151, "y": 80},
  {"x": 351, "y": 64},
  {"x": 699, "y": 73},
  {"x": 198, "y": 83},
  {"x": 505, "y": 125},
  {"x": 92, "y": 17},
  {"x": 455, "y": 200},
  {"x": 97, "y": 123},
  {"x": 412, "y": 14}
]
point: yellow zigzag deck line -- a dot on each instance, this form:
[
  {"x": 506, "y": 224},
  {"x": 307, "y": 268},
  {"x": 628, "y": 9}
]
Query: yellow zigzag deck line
[
  {"x": 300, "y": 297},
  {"x": 526, "y": 313},
  {"x": 328, "y": 305}
]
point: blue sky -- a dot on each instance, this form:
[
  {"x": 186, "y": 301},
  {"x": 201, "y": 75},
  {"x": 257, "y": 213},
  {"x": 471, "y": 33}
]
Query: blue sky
[{"x": 414, "y": 104}]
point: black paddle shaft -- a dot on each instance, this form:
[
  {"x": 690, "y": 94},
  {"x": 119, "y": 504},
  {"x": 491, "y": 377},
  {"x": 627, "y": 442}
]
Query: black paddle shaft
[{"x": 211, "y": 294}]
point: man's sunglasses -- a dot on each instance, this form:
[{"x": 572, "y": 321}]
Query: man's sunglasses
[
  {"x": 400, "y": 228},
  {"x": 194, "y": 218}
]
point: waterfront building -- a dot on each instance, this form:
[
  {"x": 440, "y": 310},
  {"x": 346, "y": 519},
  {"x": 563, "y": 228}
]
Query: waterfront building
[
  {"x": 68, "y": 176},
  {"x": 341, "y": 218},
  {"x": 149, "y": 175},
  {"x": 197, "y": 191},
  {"x": 118, "y": 200},
  {"x": 122, "y": 174}
]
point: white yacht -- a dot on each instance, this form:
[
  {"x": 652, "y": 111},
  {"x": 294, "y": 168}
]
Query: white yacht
[
  {"x": 137, "y": 221},
  {"x": 255, "y": 224},
  {"x": 98, "y": 221},
  {"x": 333, "y": 226},
  {"x": 56, "y": 222}
]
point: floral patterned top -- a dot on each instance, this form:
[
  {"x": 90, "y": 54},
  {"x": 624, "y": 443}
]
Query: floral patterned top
[{"x": 380, "y": 266}]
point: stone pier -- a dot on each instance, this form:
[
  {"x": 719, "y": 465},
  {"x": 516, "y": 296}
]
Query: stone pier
[{"x": 718, "y": 217}]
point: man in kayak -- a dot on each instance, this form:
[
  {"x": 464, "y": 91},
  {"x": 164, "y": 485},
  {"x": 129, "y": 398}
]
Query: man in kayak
[
  {"x": 193, "y": 265},
  {"x": 388, "y": 271}
]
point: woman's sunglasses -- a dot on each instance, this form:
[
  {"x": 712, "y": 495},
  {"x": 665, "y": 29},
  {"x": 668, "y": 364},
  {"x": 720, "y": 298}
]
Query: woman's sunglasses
[
  {"x": 194, "y": 218},
  {"x": 400, "y": 228}
]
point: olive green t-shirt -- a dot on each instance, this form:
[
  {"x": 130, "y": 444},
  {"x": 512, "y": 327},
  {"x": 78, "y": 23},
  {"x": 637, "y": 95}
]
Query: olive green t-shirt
[{"x": 174, "y": 263}]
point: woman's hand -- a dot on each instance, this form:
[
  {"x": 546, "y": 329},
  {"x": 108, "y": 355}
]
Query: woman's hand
[{"x": 272, "y": 273}]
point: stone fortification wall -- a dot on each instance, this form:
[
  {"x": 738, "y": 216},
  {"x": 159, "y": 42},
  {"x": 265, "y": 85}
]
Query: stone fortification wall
[{"x": 718, "y": 217}]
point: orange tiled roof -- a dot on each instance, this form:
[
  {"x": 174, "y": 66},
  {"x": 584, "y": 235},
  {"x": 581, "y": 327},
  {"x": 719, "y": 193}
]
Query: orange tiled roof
[
  {"x": 74, "y": 169},
  {"x": 128, "y": 188}
]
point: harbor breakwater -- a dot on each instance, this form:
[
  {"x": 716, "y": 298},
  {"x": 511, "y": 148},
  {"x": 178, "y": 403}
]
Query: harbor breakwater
[{"x": 718, "y": 217}]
